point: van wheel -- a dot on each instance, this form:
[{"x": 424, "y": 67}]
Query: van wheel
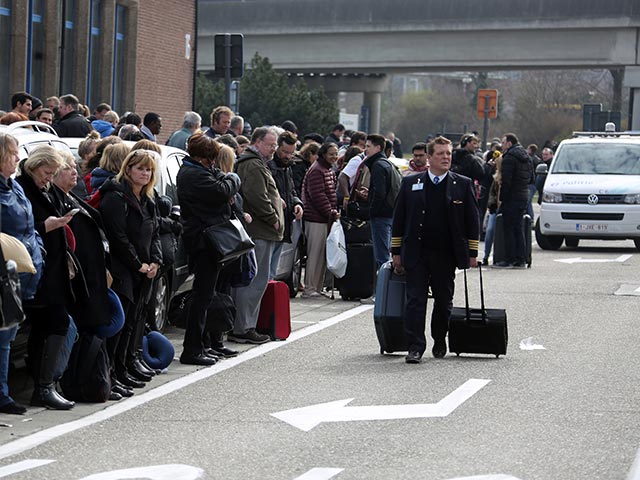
[
  {"x": 571, "y": 242},
  {"x": 637, "y": 242},
  {"x": 295, "y": 276},
  {"x": 547, "y": 242},
  {"x": 160, "y": 304}
]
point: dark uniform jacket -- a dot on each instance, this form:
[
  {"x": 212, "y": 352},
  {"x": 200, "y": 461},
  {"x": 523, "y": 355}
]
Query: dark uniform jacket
[
  {"x": 73, "y": 124},
  {"x": 462, "y": 217}
]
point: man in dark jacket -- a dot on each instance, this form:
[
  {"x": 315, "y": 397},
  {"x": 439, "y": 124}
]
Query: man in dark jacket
[
  {"x": 381, "y": 211},
  {"x": 517, "y": 171},
  {"x": 72, "y": 123},
  {"x": 280, "y": 167}
]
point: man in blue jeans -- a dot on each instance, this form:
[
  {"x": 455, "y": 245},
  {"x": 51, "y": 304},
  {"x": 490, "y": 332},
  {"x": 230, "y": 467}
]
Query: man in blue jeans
[
  {"x": 517, "y": 171},
  {"x": 381, "y": 211}
]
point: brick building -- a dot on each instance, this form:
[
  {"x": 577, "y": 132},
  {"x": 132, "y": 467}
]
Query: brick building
[{"x": 136, "y": 55}]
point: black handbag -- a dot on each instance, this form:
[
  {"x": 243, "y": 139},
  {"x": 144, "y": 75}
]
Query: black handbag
[
  {"x": 10, "y": 297},
  {"x": 228, "y": 239}
]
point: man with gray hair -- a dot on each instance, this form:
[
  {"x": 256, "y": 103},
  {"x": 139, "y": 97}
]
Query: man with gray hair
[
  {"x": 72, "y": 123},
  {"x": 236, "y": 126},
  {"x": 190, "y": 123},
  {"x": 263, "y": 202}
]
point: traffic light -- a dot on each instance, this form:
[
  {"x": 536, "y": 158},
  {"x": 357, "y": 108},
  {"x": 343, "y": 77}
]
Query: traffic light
[{"x": 233, "y": 42}]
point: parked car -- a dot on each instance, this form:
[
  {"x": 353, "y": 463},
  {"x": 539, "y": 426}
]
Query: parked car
[{"x": 591, "y": 190}]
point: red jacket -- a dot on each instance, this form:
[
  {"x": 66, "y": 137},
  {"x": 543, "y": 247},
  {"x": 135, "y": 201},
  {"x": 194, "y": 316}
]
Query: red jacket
[{"x": 319, "y": 192}]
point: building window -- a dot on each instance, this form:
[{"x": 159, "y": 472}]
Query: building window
[
  {"x": 93, "y": 80},
  {"x": 35, "y": 62},
  {"x": 117, "y": 95},
  {"x": 5, "y": 50},
  {"x": 67, "y": 56}
]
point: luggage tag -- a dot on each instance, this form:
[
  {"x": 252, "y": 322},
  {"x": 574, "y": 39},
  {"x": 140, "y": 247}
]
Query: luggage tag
[{"x": 416, "y": 187}]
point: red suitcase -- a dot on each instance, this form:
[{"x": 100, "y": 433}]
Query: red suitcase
[{"x": 274, "y": 318}]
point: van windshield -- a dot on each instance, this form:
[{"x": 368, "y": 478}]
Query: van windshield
[{"x": 598, "y": 159}]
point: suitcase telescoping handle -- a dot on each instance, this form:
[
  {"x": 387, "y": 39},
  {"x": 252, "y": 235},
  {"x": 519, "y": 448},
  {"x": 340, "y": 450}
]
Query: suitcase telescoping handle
[{"x": 466, "y": 295}]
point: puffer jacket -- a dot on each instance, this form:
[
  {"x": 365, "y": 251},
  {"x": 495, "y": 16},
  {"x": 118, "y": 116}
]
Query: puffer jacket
[
  {"x": 517, "y": 171},
  {"x": 319, "y": 192}
]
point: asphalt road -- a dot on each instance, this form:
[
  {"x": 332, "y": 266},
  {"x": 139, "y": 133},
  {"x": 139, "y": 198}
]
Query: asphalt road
[{"x": 568, "y": 411}]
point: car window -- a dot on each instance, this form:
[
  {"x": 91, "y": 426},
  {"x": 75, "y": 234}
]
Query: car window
[
  {"x": 174, "y": 161},
  {"x": 598, "y": 159}
]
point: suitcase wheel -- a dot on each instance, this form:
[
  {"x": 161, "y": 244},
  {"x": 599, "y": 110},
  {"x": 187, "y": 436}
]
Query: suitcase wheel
[
  {"x": 498, "y": 355},
  {"x": 457, "y": 354},
  {"x": 382, "y": 351}
]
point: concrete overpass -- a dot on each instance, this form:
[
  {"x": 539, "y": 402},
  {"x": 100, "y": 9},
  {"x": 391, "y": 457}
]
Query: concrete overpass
[{"x": 371, "y": 38}]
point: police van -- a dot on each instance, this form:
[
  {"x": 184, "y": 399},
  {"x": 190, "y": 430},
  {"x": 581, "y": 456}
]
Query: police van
[{"x": 591, "y": 190}]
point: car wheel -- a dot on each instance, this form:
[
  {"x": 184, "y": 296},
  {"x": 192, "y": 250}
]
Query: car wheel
[
  {"x": 571, "y": 242},
  {"x": 547, "y": 242},
  {"x": 160, "y": 299},
  {"x": 295, "y": 276}
]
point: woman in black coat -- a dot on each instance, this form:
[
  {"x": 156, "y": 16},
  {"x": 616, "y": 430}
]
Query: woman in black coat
[
  {"x": 131, "y": 225},
  {"x": 48, "y": 311},
  {"x": 204, "y": 194}
]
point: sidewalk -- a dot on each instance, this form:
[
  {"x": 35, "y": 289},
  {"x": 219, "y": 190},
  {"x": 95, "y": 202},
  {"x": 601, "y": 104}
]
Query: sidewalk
[{"x": 12, "y": 427}]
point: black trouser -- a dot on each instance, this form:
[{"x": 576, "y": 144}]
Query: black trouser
[
  {"x": 438, "y": 270},
  {"x": 45, "y": 321},
  {"x": 512, "y": 213},
  {"x": 205, "y": 269},
  {"x": 122, "y": 343}
]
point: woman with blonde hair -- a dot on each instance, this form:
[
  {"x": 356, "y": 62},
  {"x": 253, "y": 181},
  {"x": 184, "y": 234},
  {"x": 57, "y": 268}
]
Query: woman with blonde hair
[
  {"x": 110, "y": 163},
  {"x": 48, "y": 312},
  {"x": 131, "y": 224}
]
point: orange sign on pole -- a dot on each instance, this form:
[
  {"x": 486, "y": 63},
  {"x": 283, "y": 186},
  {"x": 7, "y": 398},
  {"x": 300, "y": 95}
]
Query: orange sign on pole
[{"x": 487, "y": 103}]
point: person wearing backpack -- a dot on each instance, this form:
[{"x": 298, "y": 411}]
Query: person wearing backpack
[{"x": 383, "y": 190}]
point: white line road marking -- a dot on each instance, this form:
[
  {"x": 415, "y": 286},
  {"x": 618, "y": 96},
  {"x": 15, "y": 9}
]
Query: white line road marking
[
  {"x": 320, "y": 474},
  {"x": 22, "y": 466},
  {"x": 634, "y": 473},
  {"x": 306, "y": 418},
  {"x": 498, "y": 476},
  {"x": 620, "y": 259},
  {"x": 31, "y": 441},
  {"x": 155, "y": 472}
]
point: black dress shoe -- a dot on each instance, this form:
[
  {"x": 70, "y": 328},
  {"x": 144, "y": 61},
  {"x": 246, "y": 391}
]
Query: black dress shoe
[
  {"x": 128, "y": 381},
  {"x": 143, "y": 367},
  {"x": 121, "y": 390},
  {"x": 211, "y": 354},
  {"x": 138, "y": 374},
  {"x": 224, "y": 352},
  {"x": 115, "y": 396},
  {"x": 439, "y": 350},
  {"x": 13, "y": 408},
  {"x": 413, "y": 357},
  {"x": 199, "y": 359}
]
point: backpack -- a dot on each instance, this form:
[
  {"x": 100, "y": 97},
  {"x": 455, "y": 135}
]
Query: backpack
[
  {"x": 87, "y": 378},
  {"x": 394, "y": 185},
  {"x": 94, "y": 199}
]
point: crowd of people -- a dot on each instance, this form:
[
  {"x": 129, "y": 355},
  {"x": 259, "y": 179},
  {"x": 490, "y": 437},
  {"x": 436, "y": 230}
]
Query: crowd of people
[{"x": 95, "y": 231}]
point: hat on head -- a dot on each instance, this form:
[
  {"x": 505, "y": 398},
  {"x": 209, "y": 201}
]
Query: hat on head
[{"x": 103, "y": 128}]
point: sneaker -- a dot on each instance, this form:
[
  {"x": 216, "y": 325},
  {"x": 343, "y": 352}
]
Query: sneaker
[
  {"x": 250, "y": 337},
  {"x": 501, "y": 265},
  {"x": 311, "y": 294}
]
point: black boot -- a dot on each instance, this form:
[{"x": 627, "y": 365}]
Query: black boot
[{"x": 45, "y": 393}]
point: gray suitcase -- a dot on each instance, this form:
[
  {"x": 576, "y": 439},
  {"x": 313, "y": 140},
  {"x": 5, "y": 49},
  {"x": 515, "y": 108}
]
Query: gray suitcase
[{"x": 388, "y": 312}]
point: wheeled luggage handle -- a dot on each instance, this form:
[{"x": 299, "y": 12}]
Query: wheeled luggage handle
[{"x": 466, "y": 294}]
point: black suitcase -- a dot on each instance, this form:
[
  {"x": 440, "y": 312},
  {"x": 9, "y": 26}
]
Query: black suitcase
[
  {"x": 478, "y": 330},
  {"x": 499, "y": 254},
  {"x": 356, "y": 231},
  {"x": 388, "y": 312},
  {"x": 359, "y": 278}
]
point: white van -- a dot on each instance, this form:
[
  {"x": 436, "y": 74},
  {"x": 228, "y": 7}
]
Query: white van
[{"x": 592, "y": 190}]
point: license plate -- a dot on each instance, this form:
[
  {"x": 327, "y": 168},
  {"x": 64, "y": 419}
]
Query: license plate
[{"x": 589, "y": 227}]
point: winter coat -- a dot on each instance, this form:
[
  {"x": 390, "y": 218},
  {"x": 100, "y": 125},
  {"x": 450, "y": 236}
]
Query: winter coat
[
  {"x": 132, "y": 229},
  {"x": 55, "y": 286},
  {"x": 466, "y": 163},
  {"x": 261, "y": 198},
  {"x": 319, "y": 192},
  {"x": 283, "y": 176},
  {"x": 91, "y": 250},
  {"x": 17, "y": 220},
  {"x": 380, "y": 182},
  {"x": 73, "y": 124},
  {"x": 517, "y": 172},
  {"x": 204, "y": 196}
]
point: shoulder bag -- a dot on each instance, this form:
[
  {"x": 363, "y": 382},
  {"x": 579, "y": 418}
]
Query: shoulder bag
[
  {"x": 228, "y": 239},
  {"x": 10, "y": 296}
]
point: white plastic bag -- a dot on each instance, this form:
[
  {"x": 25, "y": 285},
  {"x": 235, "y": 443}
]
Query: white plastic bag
[{"x": 336, "y": 250}]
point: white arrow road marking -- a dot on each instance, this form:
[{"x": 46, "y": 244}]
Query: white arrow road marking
[
  {"x": 155, "y": 472},
  {"x": 499, "y": 476},
  {"x": 620, "y": 259},
  {"x": 22, "y": 466},
  {"x": 306, "y": 418},
  {"x": 320, "y": 474}
]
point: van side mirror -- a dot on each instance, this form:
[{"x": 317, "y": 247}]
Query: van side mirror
[{"x": 542, "y": 169}]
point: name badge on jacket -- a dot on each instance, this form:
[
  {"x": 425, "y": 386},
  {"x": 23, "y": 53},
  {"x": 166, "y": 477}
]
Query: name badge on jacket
[{"x": 417, "y": 186}]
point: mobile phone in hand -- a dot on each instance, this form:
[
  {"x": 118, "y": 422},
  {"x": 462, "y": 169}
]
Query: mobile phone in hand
[{"x": 72, "y": 212}]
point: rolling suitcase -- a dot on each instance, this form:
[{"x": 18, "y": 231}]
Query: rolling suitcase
[
  {"x": 359, "y": 277},
  {"x": 356, "y": 231},
  {"x": 274, "y": 318},
  {"x": 388, "y": 312},
  {"x": 498, "y": 240},
  {"x": 478, "y": 330}
]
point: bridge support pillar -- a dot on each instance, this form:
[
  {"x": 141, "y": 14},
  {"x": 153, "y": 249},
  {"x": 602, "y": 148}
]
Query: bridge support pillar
[
  {"x": 373, "y": 100},
  {"x": 632, "y": 81}
]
